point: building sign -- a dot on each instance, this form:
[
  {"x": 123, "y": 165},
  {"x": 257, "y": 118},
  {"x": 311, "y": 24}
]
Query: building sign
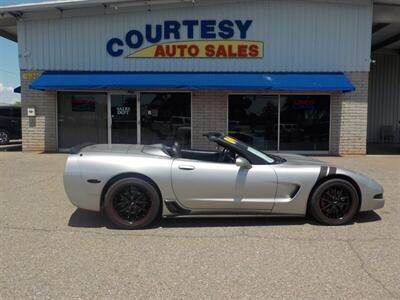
[
  {"x": 123, "y": 110},
  {"x": 301, "y": 104},
  {"x": 192, "y": 39},
  {"x": 83, "y": 104},
  {"x": 30, "y": 75}
]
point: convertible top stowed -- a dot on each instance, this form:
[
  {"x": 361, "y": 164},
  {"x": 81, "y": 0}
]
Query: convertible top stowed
[{"x": 134, "y": 184}]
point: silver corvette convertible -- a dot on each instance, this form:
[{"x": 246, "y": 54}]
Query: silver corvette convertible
[{"x": 135, "y": 184}]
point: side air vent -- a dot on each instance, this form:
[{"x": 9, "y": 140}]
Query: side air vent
[
  {"x": 175, "y": 208},
  {"x": 294, "y": 192},
  {"x": 93, "y": 181}
]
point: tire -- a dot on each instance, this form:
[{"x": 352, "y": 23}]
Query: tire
[
  {"x": 334, "y": 202},
  {"x": 4, "y": 137},
  {"x": 132, "y": 203}
]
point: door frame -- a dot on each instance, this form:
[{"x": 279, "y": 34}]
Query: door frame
[{"x": 138, "y": 110}]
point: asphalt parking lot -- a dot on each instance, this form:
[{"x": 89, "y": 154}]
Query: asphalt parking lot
[{"x": 50, "y": 249}]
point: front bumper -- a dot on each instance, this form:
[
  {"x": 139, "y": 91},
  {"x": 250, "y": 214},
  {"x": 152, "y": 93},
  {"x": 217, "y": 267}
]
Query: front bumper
[{"x": 374, "y": 197}]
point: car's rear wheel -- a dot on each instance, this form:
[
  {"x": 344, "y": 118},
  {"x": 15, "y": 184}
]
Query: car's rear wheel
[
  {"x": 132, "y": 203},
  {"x": 334, "y": 202},
  {"x": 4, "y": 137}
]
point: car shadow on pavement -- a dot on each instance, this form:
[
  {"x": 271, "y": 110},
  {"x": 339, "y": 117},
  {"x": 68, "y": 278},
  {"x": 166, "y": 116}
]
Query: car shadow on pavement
[{"x": 88, "y": 219}]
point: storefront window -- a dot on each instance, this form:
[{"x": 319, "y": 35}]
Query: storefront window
[
  {"x": 82, "y": 118},
  {"x": 253, "y": 119},
  {"x": 304, "y": 123},
  {"x": 166, "y": 118}
]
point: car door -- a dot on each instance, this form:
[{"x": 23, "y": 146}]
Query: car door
[{"x": 218, "y": 186}]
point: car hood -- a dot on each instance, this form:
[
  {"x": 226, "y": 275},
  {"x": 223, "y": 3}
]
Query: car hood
[{"x": 295, "y": 159}]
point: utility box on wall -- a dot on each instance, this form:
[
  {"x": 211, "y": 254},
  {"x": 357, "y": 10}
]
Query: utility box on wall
[{"x": 31, "y": 112}]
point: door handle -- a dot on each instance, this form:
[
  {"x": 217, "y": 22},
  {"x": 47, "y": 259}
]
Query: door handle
[{"x": 186, "y": 167}]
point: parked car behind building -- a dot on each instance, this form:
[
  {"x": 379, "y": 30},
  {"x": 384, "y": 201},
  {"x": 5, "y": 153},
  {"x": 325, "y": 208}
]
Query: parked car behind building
[{"x": 10, "y": 124}]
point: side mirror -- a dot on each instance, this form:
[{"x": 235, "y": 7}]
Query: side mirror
[{"x": 243, "y": 163}]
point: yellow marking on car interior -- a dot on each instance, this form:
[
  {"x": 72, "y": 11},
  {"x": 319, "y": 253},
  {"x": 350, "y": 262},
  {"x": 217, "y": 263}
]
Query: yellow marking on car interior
[{"x": 230, "y": 140}]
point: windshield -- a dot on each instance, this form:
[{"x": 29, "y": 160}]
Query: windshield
[{"x": 261, "y": 155}]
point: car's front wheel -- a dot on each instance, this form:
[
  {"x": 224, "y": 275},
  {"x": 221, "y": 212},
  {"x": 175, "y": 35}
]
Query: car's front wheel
[
  {"x": 132, "y": 203},
  {"x": 4, "y": 137},
  {"x": 334, "y": 202}
]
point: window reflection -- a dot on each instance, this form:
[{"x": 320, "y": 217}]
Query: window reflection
[
  {"x": 305, "y": 122},
  {"x": 253, "y": 119},
  {"x": 165, "y": 118},
  {"x": 82, "y": 118}
]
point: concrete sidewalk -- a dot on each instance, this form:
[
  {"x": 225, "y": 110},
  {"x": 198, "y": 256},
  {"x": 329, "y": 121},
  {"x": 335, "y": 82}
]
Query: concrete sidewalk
[{"x": 50, "y": 249}]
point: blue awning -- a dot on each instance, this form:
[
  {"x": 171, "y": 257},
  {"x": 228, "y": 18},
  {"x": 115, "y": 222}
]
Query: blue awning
[
  {"x": 52, "y": 80},
  {"x": 17, "y": 90}
]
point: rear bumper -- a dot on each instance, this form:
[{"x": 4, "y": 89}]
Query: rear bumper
[{"x": 75, "y": 187}]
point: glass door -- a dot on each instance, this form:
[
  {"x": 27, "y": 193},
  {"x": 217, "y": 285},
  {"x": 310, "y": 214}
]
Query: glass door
[{"x": 124, "y": 127}]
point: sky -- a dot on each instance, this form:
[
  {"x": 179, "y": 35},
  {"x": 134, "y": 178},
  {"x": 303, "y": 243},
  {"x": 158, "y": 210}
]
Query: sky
[
  {"x": 9, "y": 71},
  {"x": 9, "y": 68}
]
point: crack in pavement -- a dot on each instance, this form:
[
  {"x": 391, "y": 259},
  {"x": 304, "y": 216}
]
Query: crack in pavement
[{"x": 369, "y": 274}]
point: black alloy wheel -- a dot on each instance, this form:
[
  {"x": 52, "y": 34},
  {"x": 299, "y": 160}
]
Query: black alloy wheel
[
  {"x": 4, "y": 137},
  {"x": 132, "y": 203},
  {"x": 334, "y": 202}
]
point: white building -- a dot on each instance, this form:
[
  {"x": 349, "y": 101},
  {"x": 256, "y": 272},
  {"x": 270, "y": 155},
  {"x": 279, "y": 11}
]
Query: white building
[{"x": 282, "y": 75}]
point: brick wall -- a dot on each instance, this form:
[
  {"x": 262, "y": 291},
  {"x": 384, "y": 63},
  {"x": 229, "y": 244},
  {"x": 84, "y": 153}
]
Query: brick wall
[
  {"x": 38, "y": 133},
  {"x": 350, "y": 117},
  {"x": 209, "y": 113}
]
